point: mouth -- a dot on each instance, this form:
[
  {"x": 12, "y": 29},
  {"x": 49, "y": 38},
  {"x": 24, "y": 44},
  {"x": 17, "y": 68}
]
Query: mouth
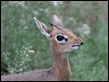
[{"x": 75, "y": 47}]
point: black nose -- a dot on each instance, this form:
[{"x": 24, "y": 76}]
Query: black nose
[{"x": 81, "y": 43}]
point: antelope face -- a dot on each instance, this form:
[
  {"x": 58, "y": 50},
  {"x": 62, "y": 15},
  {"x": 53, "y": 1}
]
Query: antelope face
[
  {"x": 64, "y": 40},
  {"x": 61, "y": 39}
]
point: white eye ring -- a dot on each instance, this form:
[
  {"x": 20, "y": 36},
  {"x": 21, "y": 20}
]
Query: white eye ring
[{"x": 62, "y": 41}]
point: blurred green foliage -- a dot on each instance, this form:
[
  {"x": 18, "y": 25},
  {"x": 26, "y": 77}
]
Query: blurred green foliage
[{"x": 24, "y": 48}]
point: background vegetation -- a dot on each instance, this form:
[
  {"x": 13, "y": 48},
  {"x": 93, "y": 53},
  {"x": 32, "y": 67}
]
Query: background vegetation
[{"x": 24, "y": 48}]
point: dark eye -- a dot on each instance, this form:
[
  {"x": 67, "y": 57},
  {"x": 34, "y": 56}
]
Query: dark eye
[{"x": 60, "y": 38}]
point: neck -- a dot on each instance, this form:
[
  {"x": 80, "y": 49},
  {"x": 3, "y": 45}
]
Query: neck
[{"x": 61, "y": 65}]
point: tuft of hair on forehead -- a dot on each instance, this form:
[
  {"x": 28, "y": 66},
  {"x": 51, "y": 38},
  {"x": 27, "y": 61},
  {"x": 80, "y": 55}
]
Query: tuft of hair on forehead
[
  {"x": 60, "y": 28},
  {"x": 64, "y": 29}
]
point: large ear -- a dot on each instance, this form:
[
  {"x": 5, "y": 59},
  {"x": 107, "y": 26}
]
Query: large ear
[
  {"x": 43, "y": 28},
  {"x": 57, "y": 20}
]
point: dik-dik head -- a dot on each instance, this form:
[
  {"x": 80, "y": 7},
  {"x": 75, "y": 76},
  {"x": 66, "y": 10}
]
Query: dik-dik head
[{"x": 61, "y": 39}]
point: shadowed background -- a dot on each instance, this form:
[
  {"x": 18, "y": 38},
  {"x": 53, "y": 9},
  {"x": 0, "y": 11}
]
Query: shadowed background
[{"x": 24, "y": 48}]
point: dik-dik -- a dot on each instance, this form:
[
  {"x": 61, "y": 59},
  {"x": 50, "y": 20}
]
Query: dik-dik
[{"x": 62, "y": 41}]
